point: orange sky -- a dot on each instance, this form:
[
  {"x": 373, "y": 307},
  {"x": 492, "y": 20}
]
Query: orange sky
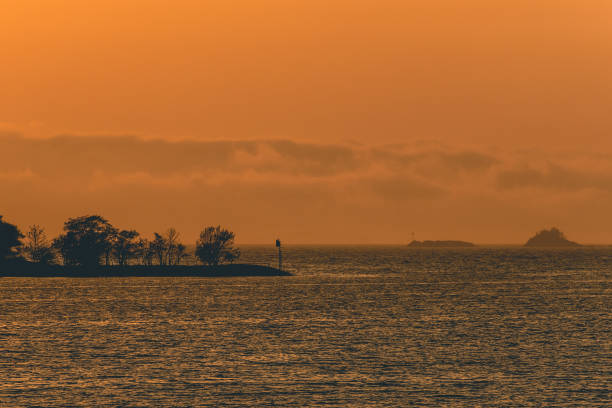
[{"x": 318, "y": 121}]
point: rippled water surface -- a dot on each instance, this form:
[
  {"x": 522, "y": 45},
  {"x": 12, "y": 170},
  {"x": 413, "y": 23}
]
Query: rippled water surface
[{"x": 355, "y": 326}]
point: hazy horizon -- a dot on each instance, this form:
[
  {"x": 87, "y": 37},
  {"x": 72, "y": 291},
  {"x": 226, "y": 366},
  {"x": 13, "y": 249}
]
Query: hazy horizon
[{"x": 190, "y": 241}]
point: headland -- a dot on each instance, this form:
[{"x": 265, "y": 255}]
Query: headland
[{"x": 27, "y": 269}]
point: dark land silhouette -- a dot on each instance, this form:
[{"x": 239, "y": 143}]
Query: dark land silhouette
[
  {"x": 440, "y": 244},
  {"x": 550, "y": 238},
  {"x": 90, "y": 246},
  {"x": 23, "y": 268},
  {"x": 10, "y": 240}
]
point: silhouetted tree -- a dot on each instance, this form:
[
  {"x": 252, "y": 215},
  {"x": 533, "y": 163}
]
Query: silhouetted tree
[
  {"x": 85, "y": 240},
  {"x": 9, "y": 240},
  {"x": 166, "y": 249},
  {"x": 37, "y": 247},
  {"x": 112, "y": 235},
  {"x": 175, "y": 250},
  {"x": 159, "y": 248},
  {"x": 145, "y": 253},
  {"x": 125, "y": 246},
  {"x": 180, "y": 254},
  {"x": 171, "y": 238},
  {"x": 216, "y": 245}
]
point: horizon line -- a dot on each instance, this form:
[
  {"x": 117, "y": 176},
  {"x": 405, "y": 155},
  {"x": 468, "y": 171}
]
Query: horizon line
[{"x": 397, "y": 244}]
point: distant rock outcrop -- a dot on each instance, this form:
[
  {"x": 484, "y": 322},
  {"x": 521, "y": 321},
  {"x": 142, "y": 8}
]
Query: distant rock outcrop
[
  {"x": 440, "y": 244},
  {"x": 550, "y": 238}
]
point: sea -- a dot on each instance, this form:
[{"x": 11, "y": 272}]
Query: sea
[{"x": 355, "y": 326}]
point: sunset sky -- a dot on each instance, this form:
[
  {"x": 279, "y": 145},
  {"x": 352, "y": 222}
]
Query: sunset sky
[{"x": 314, "y": 121}]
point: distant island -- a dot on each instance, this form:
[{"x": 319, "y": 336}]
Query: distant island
[
  {"x": 550, "y": 238},
  {"x": 440, "y": 244}
]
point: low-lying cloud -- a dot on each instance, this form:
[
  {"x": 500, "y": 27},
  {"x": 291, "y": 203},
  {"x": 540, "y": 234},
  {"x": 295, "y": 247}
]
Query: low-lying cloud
[
  {"x": 65, "y": 158},
  {"x": 358, "y": 193},
  {"x": 555, "y": 177}
]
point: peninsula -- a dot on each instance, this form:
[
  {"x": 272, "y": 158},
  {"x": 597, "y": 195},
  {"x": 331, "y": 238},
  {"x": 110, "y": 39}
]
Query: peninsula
[
  {"x": 21, "y": 268},
  {"x": 90, "y": 246}
]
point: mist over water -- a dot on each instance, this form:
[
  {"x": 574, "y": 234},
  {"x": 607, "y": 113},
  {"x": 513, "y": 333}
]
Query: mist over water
[{"x": 355, "y": 326}]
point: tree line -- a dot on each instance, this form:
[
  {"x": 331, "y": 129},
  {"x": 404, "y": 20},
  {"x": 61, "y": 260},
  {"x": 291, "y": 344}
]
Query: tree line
[{"x": 92, "y": 241}]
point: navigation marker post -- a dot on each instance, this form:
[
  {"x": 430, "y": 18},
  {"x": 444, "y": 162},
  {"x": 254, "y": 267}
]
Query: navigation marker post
[{"x": 280, "y": 255}]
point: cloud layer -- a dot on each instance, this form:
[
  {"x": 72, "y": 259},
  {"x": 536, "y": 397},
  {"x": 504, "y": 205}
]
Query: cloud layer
[{"x": 306, "y": 192}]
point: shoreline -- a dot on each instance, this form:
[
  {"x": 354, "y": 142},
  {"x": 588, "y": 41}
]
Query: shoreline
[{"x": 28, "y": 270}]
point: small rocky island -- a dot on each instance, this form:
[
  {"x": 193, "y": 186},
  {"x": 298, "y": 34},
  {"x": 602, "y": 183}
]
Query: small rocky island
[
  {"x": 550, "y": 238},
  {"x": 440, "y": 244}
]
